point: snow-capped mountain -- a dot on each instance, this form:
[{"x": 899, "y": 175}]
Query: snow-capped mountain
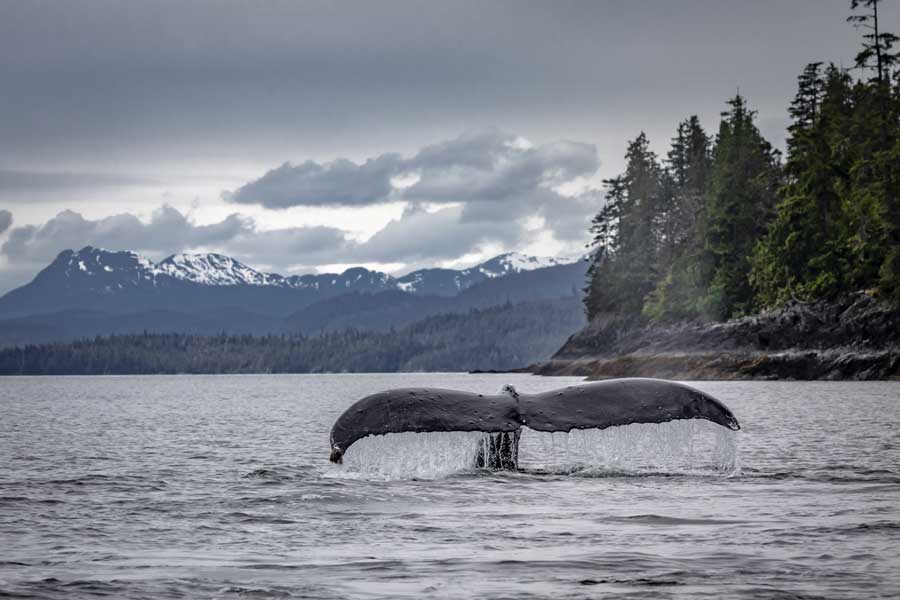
[
  {"x": 213, "y": 269},
  {"x": 107, "y": 271},
  {"x": 514, "y": 262},
  {"x": 98, "y": 279},
  {"x": 100, "y": 268},
  {"x": 449, "y": 282}
]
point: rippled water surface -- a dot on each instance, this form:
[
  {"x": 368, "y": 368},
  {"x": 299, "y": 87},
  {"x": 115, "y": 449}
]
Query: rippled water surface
[{"x": 195, "y": 487}]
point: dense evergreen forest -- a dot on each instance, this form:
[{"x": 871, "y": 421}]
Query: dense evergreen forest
[
  {"x": 725, "y": 226},
  {"x": 502, "y": 337}
]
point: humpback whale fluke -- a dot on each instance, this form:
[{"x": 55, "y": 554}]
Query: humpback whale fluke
[{"x": 589, "y": 406}]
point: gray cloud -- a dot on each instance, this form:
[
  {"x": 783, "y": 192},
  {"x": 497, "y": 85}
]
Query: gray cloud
[
  {"x": 421, "y": 236},
  {"x": 5, "y": 220},
  {"x": 285, "y": 248},
  {"x": 568, "y": 218},
  {"x": 338, "y": 183},
  {"x": 486, "y": 166},
  {"x": 493, "y": 166},
  {"x": 418, "y": 236},
  {"x": 167, "y": 231},
  {"x": 83, "y": 81},
  {"x": 496, "y": 177}
]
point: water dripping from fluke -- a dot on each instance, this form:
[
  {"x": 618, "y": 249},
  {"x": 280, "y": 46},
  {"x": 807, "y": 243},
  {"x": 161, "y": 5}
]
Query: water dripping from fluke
[
  {"x": 684, "y": 447},
  {"x": 691, "y": 446}
]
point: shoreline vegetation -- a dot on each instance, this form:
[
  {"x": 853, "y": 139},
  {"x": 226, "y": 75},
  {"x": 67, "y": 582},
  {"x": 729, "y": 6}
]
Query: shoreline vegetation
[{"x": 722, "y": 240}]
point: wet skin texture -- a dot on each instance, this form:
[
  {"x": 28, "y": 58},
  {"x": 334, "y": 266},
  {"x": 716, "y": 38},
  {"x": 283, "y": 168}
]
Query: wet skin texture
[{"x": 590, "y": 406}]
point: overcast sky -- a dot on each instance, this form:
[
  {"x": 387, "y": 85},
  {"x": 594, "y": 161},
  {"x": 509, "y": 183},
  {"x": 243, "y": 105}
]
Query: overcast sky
[{"x": 303, "y": 136}]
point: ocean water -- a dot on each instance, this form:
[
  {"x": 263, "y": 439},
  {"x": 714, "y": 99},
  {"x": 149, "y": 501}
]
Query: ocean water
[{"x": 220, "y": 487}]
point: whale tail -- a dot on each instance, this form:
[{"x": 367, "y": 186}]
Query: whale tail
[{"x": 596, "y": 405}]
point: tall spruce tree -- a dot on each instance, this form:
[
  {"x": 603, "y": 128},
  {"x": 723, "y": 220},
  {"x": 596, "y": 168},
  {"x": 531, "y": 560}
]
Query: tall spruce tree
[
  {"x": 744, "y": 179},
  {"x": 873, "y": 196},
  {"x": 689, "y": 162},
  {"x": 639, "y": 244},
  {"x": 877, "y": 52},
  {"x": 804, "y": 255},
  {"x": 599, "y": 295},
  {"x": 686, "y": 270},
  {"x": 626, "y": 235}
]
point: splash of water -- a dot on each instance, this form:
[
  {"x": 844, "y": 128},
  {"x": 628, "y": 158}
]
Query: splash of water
[
  {"x": 684, "y": 446},
  {"x": 412, "y": 455}
]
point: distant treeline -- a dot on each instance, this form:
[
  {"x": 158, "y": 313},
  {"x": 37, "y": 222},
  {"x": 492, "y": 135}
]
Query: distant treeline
[
  {"x": 724, "y": 227},
  {"x": 502, "y": 337}
]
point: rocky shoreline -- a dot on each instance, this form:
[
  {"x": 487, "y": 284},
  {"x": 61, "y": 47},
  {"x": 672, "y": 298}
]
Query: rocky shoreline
[{"x": 854, "y": 338}]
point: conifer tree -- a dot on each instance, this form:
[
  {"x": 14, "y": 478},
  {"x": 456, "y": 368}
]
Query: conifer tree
[
  {"x": 685, "y": 272},
  {"x": 689, "y": 162},
  {"x": 873, "y": 196},
  {"x": 626, "y": 236},
  {"x": 605, "y": 242},
  {"x": 877, "y": 52},
  {"x": 744, "y": 178},
  {"x": 804, "y": 254}
]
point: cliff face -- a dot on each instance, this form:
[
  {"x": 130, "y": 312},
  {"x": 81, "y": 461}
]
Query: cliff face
[{"x": 854, "y": 338}]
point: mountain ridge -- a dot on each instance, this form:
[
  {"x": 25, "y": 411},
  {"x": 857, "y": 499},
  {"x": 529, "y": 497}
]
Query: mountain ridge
[
  {"x": 212, "y": 268},
  {"x": 112, "y": 281}
]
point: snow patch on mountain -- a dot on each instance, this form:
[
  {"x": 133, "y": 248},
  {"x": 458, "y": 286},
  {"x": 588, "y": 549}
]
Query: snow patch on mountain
[
  {"x": 514, "y": 262},
  {"x": 211, "y": 269},
  {"x": 410, "y": 283},
  {"x": 214, "y": 269}
]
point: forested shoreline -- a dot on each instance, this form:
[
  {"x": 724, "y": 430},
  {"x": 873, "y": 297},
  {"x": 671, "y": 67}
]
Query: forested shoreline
[
  {"x": 723, "y": 226},
  {"x": 499, "y": 338}
]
